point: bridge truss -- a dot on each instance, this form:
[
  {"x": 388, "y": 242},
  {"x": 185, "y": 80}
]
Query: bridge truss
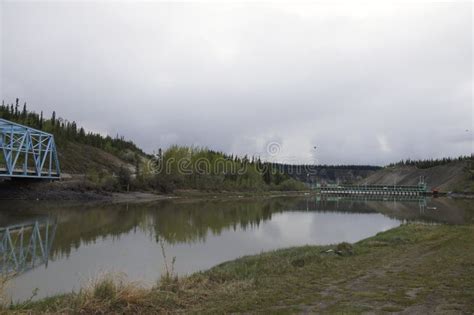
[{"x": 27, "y": 152}]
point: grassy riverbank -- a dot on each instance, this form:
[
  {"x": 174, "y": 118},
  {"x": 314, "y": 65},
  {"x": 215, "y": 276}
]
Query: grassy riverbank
[{"x": 414, "y": 268}]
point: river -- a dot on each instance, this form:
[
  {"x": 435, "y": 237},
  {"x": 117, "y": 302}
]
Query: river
[{"x": 67, "y": 244}]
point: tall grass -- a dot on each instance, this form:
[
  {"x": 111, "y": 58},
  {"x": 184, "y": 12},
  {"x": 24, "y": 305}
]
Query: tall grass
[
  {"x": 108, "y": 293},
  {"x": 168, "y": 279},
  {"x": 111, "y": 291}
]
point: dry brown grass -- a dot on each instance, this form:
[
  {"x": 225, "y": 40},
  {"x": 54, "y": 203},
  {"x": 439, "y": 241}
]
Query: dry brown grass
[
  {"x": 111, "y": 291},
  {"x": 108, "y": 293}
]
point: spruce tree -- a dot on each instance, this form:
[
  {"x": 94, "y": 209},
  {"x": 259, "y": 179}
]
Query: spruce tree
[
  {"x": 16, "y": 108},
  {"x": 41, "y": 121},
  {"x": 53, "y": 119}
]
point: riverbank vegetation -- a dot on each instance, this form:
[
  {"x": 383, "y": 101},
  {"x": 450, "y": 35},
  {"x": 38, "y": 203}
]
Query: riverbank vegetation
[
  {"x": 414, "y": 268},
  {"x": 194, "y": 168},
  {"x": 183, "y": 167}
]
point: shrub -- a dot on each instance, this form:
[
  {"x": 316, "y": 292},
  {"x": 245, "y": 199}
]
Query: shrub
[
  {"x": 291, "y": 185},
  {"x": 124, "y": 177},
  {"x": 109, "y": 183}
]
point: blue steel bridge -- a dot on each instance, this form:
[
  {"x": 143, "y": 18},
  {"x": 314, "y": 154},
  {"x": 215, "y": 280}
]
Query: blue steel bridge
[{"x": 27, "y": 152}]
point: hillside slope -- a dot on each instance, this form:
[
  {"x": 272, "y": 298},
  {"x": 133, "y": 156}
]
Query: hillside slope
[
  {"x": 79, "y": 151},
  {"x": 78, "y": 158},
  {"x": 456, "y": 176}
]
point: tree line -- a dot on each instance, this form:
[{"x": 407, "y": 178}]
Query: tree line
[
  {"x": 427, "y": 163},
  {"x": 64, "y": 130}
]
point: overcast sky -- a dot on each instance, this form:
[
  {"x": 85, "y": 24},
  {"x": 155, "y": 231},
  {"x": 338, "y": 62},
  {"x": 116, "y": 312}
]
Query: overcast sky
[{"x": 367, "y": 84}]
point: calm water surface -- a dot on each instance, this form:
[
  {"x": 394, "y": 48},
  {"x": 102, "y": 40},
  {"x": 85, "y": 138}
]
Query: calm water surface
[{"x": 81, "y": 242}]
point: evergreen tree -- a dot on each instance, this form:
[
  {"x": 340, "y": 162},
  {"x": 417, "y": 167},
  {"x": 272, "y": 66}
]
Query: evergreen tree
[
  {"x": 23, "y": 113},
  {"x": 53, "y": 119},
  {"x": 16, "y": 107},
  {"x": 41, "y": 121}
]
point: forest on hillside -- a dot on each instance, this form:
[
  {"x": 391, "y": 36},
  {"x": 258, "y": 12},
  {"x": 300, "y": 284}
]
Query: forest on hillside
[
  {"x": 64, "y": 130},
  {"x": 428, "y": 163}
]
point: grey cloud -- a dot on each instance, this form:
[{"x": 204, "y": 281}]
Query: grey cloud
[{"x": 365, "y": 83}]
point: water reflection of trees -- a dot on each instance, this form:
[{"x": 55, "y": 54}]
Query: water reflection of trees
[
  {"x": 193, "y": 221},
  {"x": 80, "y": 225},
  {"x": 186, "y": 221},
  {"x": 173, "y": 221}
]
